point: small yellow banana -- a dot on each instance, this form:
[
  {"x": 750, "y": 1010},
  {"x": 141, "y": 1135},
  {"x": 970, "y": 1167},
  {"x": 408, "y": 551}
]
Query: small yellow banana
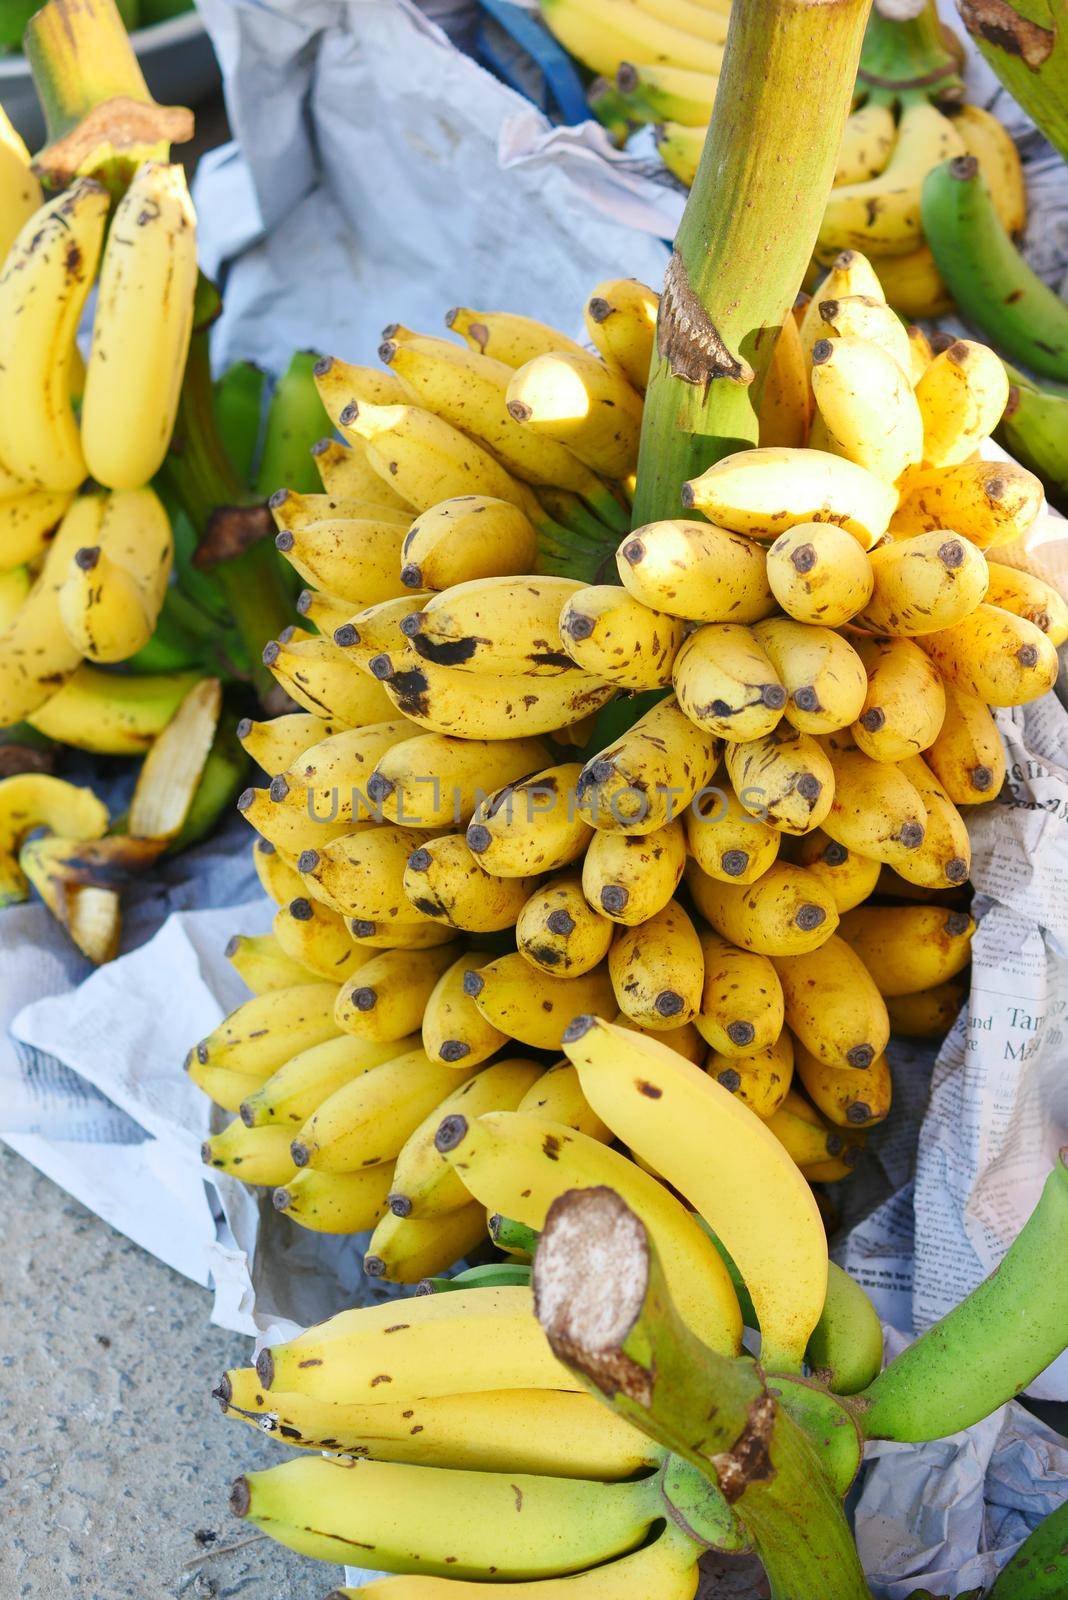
[
  {"x": 558, "y": 929},
  {"x": 764, "y": 492},
  {"x": 820, "y": 574}
]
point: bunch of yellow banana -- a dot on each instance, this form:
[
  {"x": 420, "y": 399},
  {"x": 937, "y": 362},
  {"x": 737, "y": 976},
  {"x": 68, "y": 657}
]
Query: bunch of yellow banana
[
  {"x": 658, "y": 62},
  {"x": 765, "y": 870},
  {"x": 85, "y": 544}
]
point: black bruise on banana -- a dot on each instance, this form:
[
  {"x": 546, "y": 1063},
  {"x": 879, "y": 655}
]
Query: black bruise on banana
[
  {"x": 687, "y": 338},
  {"x": 455, "y": 652}
]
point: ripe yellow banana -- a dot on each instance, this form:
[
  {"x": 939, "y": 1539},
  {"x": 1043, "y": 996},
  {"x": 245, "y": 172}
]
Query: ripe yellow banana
[
  {"x": 924, "y": 583},
  {"x": 579, "y": 402},
  {"x": 992, "y": 145},
  {"x": 819, "y": 574},
  {"x": 15, "y": 585},
  {"x": 507, "y": 336},
  {"x": 32, "y": 800},
  {"x": 657, "y": 970},
  {"x": 282, "y": 816},
  {"x": 882, "y": 214},
  {"x": 786, "y": 912},
  {"x": 277, "y": 873},
  {"x": 345, "y": 472},
  {"x": 905, "y": 701},
  {"x": 268, "y": 1030},
  {"x": 726, "y": 683},
  {"x": 851, "y": 274},
  {"x": 784, "y": 779},
  {"x": 442, "y": 879},
  {"x": 530, "y": 827},
  {"x": 336, "y": 1202},
  {"x": 453, "y": 1027},
  {"x": 275, "y": 745},
  {"x": 995, "y": 655},
  {"x": 261, "y": 963},
  {"x": 45, "y": 279},
  {"x": 785, "y": 403},
  {"x": 20, "y": 192},
  {"x": 367, "y": 632},
  {"x": 930, "y": 1013},
  {"x": 629, "y": 877},
  {"x": 255, "y": 1155},
  {"x": 517, "y": 1164},
  {"x": 319, "y": 678},
  {"x": 832, "y": 1005},
  {"x": 361, "y": 874},
  {"x": 507, "y": 626},
  {"x": 850, "y": 1097},
  {"x": 336, "y": 771},
  {"x": 651, "y": 774},
  {"x": 356, "y": 558},
  {"x": 909, "y": 948},
  {"x": 464, "y": 1342},
  {"x": 298, "y": 1088},
  {"x": 807, "y": 1135},
  {"x": 434, "y": 781},
  {"x": 448, "y": 1522},
  {"x": 866, "y": 317},
  {"x": 764, "y": 492},
  {"x": 850, "y": 877},
  {"x": 741, "y": 1010},
  {"x": 988, "y": 502},
  {"x": 1025, "y": 595},
  {"x": 484, "y": 706},
  {"x": 386, "y": 996},
  {"x": 761, "y": 1080},
  {"x": 408, "y": 1249},
  {"x": 115, "y": 585},
  {"x": 425, "y": 1183},
  {"x": 620, "y": 318},
  {"x": 695, "y": 571},
  {"x": 518, "y": 1430},
  {"x": 559, "y": 931},
  {"x": 28, "y": 520},
  {"x": 967, "y": 755},
  {"x": 557, "y": 1096},
  {"x": 317, "y": 938},
  {"x": 369, "y": 1119},
  {"x": 141, "y": 329},
  {"x": 671, "y": 1113},
  {"x": 341, "y": 385},
  {"x": 603, "y": 33},
  {"x": 876, "y": 810},
  {"x": 944, "y": 859},
  {"x": 867, "y": 142},
  {"x": 610, "y": 634},
  {"x": 470, "y": 390},
  {"x": 961, "y": 396},
  {"x": 468, "y": 537},
  {"x": 533, "y": 1006},
  {"x": 822, "y": 674},
  {"x": 867, "y": 405},
  {"x": 427, "y": 459}
]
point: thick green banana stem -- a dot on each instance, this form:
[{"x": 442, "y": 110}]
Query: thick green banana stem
[
  {"x": 991, "y": 1346},
  {"x": 988, "y": 277},
  {"x": 1026, "y": 44},
  {"x": 747, "y": 234},
  {"x": 908, "y": 60},
  {"x": 1039, "y": 1569},
  {"x": 600, "y": 1295},
  {"x": 102, "y": 121},
  {"x": 233, "y": 525}
]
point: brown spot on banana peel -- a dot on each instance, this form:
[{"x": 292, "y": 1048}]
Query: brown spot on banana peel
[
  {"x": 748, "y": 1461},
  {"x": 1001, "y": 26},
  {"x": 687, "y": 338}
]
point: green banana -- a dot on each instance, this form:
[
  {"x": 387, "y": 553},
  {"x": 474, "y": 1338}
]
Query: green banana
[
  {"x": 1034, "y": 430},
  {"x": 239, "y": 396},
  {"x": 1039, "y": 1569},
  {"x": 515, "y": 1238},
  {"x": 486, "y": 1276},
  {"x": 988, "y": 277},
  {"x": 992, "y": 1345},
  {"x": 295, "y": 421}
]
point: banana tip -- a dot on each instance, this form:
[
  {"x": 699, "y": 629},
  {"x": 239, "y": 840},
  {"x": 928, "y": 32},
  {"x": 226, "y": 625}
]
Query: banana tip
[
  {"x": 399, "y": 1204},
  {"x": 374, "y": 1266},
  {"x": 223, "y": 1391},
  {"x": 451, "y": 1132},
  {"x": 578, "y": 1028},
  {"x": 240, "y": 1498},
  {"x": 265, "y": 1367}
]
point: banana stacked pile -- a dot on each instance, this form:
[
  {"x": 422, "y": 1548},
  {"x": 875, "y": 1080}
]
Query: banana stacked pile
[
  {"x": 85, "y": 545},
  {"x": 765, "y": 868}
]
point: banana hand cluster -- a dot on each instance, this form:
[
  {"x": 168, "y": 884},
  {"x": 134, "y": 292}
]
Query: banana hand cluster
[{"x": 91, "y": 566}]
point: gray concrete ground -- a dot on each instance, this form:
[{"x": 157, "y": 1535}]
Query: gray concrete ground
[{"x": 115, "y": 1464}]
